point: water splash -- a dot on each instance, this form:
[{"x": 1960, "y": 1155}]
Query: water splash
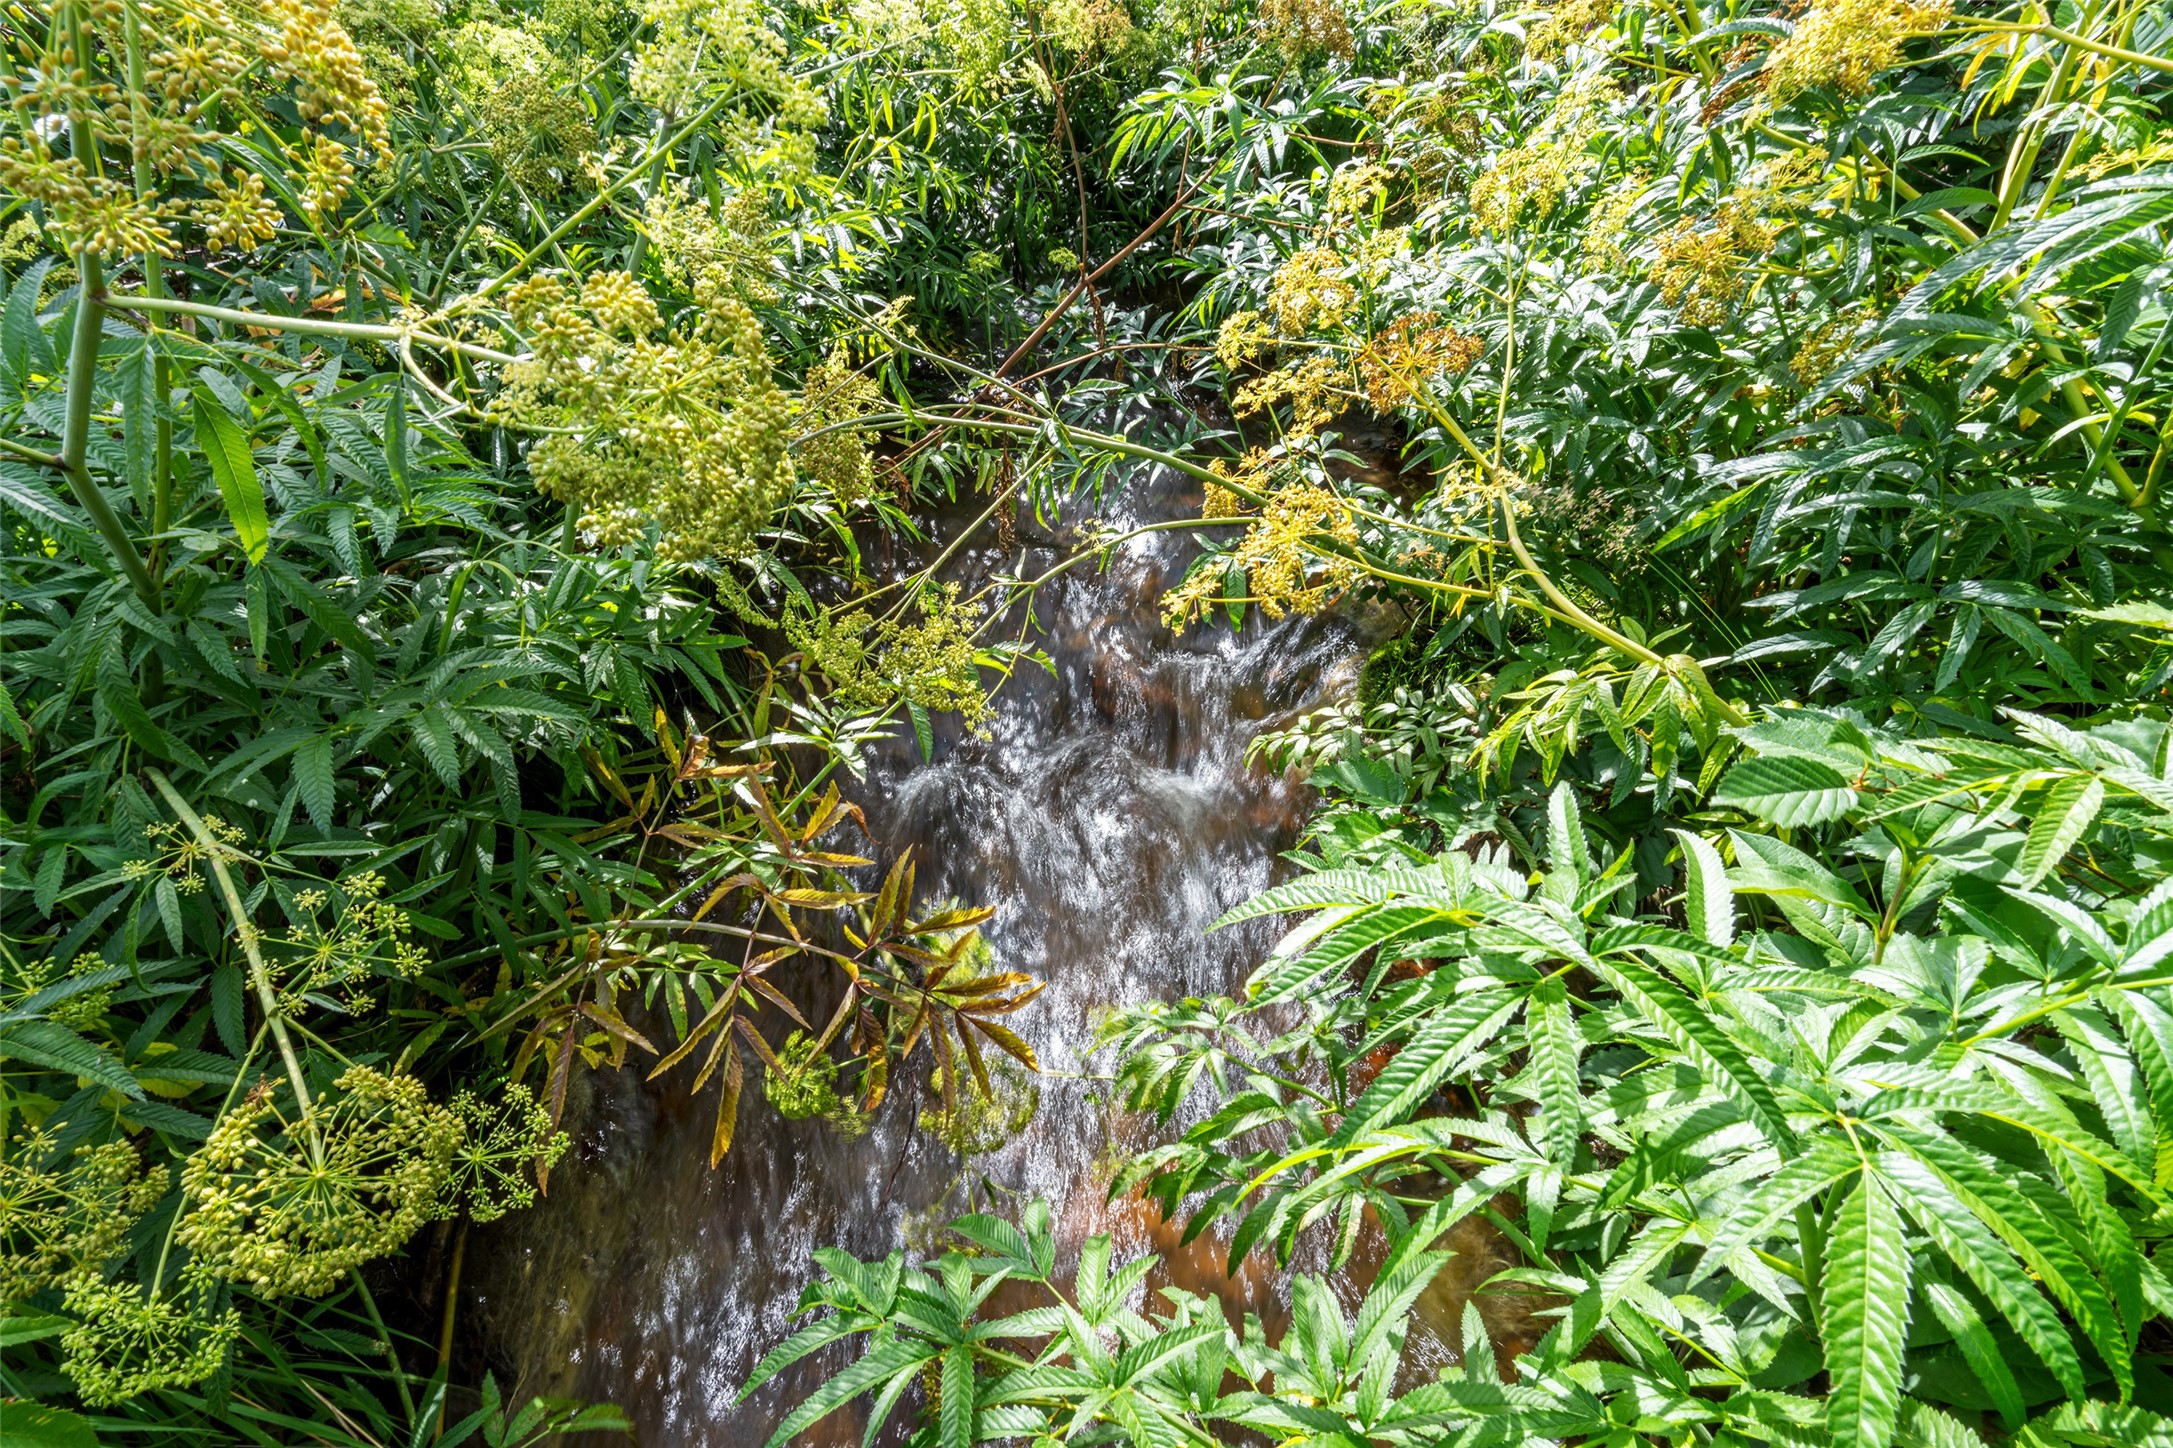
[{"x": 1110, "y": 818}]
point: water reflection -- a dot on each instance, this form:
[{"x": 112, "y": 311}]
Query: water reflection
[{"x": 1109, "y": 817}]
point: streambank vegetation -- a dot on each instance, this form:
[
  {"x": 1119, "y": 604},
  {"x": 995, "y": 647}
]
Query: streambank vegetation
[{"x": 437, "y": 445}]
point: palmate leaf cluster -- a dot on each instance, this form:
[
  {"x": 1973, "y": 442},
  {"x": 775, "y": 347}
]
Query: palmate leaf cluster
[{"x": 1859, "y": 1140}]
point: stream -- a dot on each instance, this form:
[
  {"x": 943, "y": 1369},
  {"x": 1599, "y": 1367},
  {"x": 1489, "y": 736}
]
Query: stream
[{"x": 1109, "y": 816}]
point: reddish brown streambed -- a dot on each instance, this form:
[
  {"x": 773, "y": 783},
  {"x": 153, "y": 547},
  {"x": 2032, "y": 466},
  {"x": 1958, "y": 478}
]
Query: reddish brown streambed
[{"x": 1110, "y": 818}]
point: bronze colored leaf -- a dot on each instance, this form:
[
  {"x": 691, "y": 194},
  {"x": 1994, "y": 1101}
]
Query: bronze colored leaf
[
  {"x": 762, "y": 1047},
  {"x": 611, "y": 1021},
  {"x": 776, "y": 998},
  {"x": 717, "y": 1013},
  {"x": 973, "y": 1059},
  {"x": 1008, "y": 1041},
  {"x": 727, "y": 1109}
]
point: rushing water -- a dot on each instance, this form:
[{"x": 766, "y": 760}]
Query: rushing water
[{"x": 1109, "y": 817}]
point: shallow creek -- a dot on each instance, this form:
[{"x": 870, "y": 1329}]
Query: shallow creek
[{"x": 1110, "y": 817}]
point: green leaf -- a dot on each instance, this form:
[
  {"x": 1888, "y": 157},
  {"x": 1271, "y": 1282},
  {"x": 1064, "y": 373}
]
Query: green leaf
[
  {"x": 313, "y": 777},
  {"x": 924, "y": 732},
  {"x": 321, "y": 607},
  {"x": 955, "y": 1428},
  {"x": 2099, "y": 1425},
  {"x": 1957, "y": 1230},
  {"x": 1787, "y": 790},
  {"x": 35, "y": 1328},
  {"x": 1757, "y": 1214},
  {"x": 1708, "y": 902},
  {"x": 1864, "y": 1302},
  {"x": 1697, "y": 1034},
  {"x": 234, "y": 469},
  {"x": 2063, "y": 816},
  {"x": 440, "y": 749},
  {"x": 133, "y": 380},
  {"x": 1663, "y": 1153},
  {"x": 1552, "y": 1050},
  {"x": 55, "y": 1047},
  {"x": 1448, "y": 1039},
  {"x": 121, "y": 695},
  {"x": 1984, "y": 1189},
  {"x": 226, "y": 1006},
  {"x": 33, "y": 1425},
  {"x": 1958, "y": 1315},
  {"x": 24, "y": 347},
  {"x": 884, "y": 1362},
  {"x": 1568, "y": 853},
  {"x": 1766, "y": 866}
]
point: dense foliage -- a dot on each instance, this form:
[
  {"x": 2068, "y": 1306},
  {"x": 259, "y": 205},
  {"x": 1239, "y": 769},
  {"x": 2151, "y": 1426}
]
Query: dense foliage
[{"x": 434, "y": 441}]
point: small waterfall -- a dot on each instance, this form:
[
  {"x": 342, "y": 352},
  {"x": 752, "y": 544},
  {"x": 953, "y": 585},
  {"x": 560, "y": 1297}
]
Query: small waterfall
[{"x": 1109, "y": 817}]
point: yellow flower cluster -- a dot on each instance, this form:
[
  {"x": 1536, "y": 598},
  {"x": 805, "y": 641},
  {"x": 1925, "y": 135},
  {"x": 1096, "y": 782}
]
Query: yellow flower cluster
[
  {"x": 331, "y": 85},
  {"x": 293, "y": 1206},
  {"x": 1569, "y": 22},
  {"x": 179, "y": 857},
  {"x": 1313, "y": 387},
  {"x": 1535, "y": 176},
  {"x": 1437, "y": 135},
  {"x": 1306, "y": 29},
  {"x": 829, "y": 450},
  {"x": 1846, "y": 43},
  {"x": 498, "y": 1143},
  {"x": 1310, "y": 290},
  {"x": 808, "y": 1087},
  {"x": 1608, "y": 225},
  {"x": 686, "y": 429},
  {"x": 713, "y": 256},
  {"x": 1287, "y": 554},
  {"x": 325, "y": 176},
  {"x": 1354, "y": 192},
  {"x": 533, "y": 116},
  {"x": 1824, "y": 346},
  {"x": 239, "y": 216},
  {"x": 975, "y": 1122},
  {"x": 64, "y": 1217},
  {"x": 1219, "y": 502},
  {"x": 77, "y": 127},
  {"x": 872, "y": 663},
  {"x": 123, "y": 1343},
  {"x": 1242, "y": 337},
  {"x": 1395, "y": 367},
  {"x": 367, "y": 935},
  {"x": 699, "y": 49},
  {"x": 1704, "y": 263},
  {"x": 1089, "y": 27}
]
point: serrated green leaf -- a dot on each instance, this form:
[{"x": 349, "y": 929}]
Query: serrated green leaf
[
  {"x": 1787, "y": 790},
  {"x": 234, "y": 469},
  {"x": 1864, "y": 1317},
  {"x": 313, "y": 778},
  {"x": 55, "y": 1047},
  {"x": 1450, "y": 1037},
  {"x": 1959, "y": 1316},
  {"x": 2064, "y": 815},
  {"x": 1708, "y": 902}
]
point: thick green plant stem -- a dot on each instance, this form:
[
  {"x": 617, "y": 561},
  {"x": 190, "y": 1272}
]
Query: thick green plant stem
[
  {"x": 154, "y": 285},
  {"x": 90, "y": 316},
  {"x": 307, "y": 326},
  {"x": 260, "y": 976},
  {"x": 2080, "y": 42}
]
